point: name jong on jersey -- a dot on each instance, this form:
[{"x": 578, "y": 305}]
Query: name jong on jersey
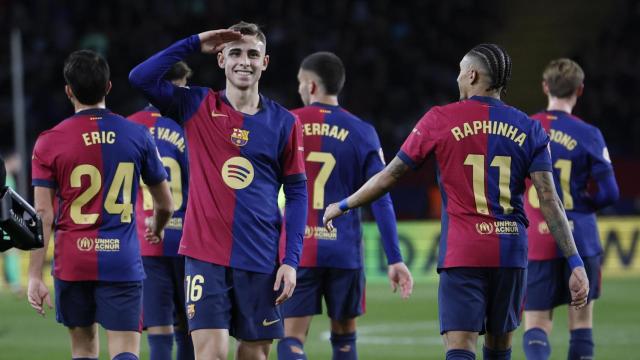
[
  {"x": 172, "y": 146},
  {"x": 95, "y": 160},
  {"x": 578, "y": 154},
  {"x": 237, "y": 164},
  {"x": 484, "y": 150},
  {"x": 342, "y": 152}
]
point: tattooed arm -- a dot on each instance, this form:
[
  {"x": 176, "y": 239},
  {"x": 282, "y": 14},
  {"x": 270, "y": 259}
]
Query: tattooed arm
[
  {"x": 377, "y": 186},
  {"x": 553, "y": 212},
  {"x": 558, "y": 224}
]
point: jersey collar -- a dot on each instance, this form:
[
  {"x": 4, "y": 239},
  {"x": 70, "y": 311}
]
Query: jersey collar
[
  {"x": 94, "y": 111},
  {"x": 487, "y": 100}
]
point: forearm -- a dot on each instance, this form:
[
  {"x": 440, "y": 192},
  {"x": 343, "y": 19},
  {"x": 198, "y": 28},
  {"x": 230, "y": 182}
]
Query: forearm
[
  {"x": 553, "y": 212},
  {"x": 607, "y": 194},
  {"x": 296, "y": 220},
  {"x": 148, "y": 76},
  {"x": 162, "y": 206},
  {"x": 378, "y": 185},
  {"x": 385, "y": 216},
  {"x": 37, "y": 257}
]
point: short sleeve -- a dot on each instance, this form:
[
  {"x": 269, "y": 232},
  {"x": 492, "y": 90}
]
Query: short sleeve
[
  {"x": 152, "y": 170},
  {"x": 42, "y": 167},
  {"x": 373, "y": 157},
  {"x": 541, "y": 155},
  {"x": 421, "y": 141},
  {"x": 293, "y": 155},
  {"x": 599, "y": 155}
]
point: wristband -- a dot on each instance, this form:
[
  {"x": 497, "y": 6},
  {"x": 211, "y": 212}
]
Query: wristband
[
  {"x": 342, "y": 205},
  {"x": 574, "y": 261}
]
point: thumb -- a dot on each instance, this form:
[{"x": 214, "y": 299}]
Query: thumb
[
  {"x": 276, "y": 285},
  {"x": 47, "y": 298}
]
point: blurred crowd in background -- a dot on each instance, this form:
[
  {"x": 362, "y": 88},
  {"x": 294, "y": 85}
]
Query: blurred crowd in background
[{"x": 401, "y": 58}]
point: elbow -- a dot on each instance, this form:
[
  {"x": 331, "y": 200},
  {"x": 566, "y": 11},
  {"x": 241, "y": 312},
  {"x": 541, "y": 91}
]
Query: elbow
[{"x": 135, "y": 78}]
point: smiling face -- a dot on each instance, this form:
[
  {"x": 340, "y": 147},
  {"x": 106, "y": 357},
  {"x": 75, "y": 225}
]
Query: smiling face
[{"x": 244, "y": 61}]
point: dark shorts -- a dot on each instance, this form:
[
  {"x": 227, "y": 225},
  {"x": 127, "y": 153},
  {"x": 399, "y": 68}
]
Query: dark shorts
[
  {"x": 116, "y": 306},
  {"x": 548, "y": 282},
  {"x": 342, "y": 289},
  {"x": 220, "y": 297},
  {"x": 481, "y": 299},
  {"x": 163, "y": 289}
]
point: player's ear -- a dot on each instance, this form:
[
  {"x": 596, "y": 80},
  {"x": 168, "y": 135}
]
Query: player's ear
[
  {"x": 580, "y": 90},
  {"x": 265, "y": 62},
  {"x": 545, "y": 88},
  {"x": 313, "y": 88},
  {"x": 474, "y": 76},
  {"x": 220, "y": 56},
  {"x": 108, "y": 88},
  {"x": 69, "y": 92}
]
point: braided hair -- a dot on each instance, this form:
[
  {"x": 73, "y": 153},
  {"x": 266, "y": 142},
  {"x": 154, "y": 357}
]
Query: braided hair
[{"x": 497, "y": 62}]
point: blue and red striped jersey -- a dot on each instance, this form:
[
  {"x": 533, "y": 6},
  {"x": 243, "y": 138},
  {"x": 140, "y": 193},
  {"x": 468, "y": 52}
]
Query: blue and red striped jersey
[
  {"x": 484, "y": 150},
  {"x": 341, "y": 153},
  {"x": 237, "y": 163},
  {"x": 95, "y": 160},
  {"x": 578, "y": 154},
  {"x": 172, "y": 146}
]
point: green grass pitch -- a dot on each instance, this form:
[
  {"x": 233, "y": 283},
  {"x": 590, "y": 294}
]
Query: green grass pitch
[{"x": 391, "y": 329}]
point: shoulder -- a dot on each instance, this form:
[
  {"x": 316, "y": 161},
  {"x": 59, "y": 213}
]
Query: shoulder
[
  {"x": 124, "y": 124},
  {"x": 278, "y": 111}
]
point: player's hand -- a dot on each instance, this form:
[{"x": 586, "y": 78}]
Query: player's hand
[
  {"x": 38, "y": 295},
  {"x": 331, "y": 212},
  {"x": 214, "y": 41},
  {"x": 286, "y": 275},
  {"x": 400, "y": 277},
  {"x": 150, "y": 235},
  {"x": 579, "y": 287}
]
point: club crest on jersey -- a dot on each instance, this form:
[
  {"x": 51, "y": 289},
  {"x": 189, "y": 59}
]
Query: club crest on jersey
[
  {"x": 191, "y": 311},
  {"x": 240, "y": 137},
  {"x": 237, "y": 172}
]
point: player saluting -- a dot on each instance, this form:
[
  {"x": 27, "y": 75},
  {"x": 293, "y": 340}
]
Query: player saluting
[
  {"x": 579, "y": 154},
  {"x": 92, "y": 163},
  {"x": 484, "y": 150},
  {"x": 163, "y": 288},
  {"x": 341, "y": 153},
  {"x": 242, "y": 147}
]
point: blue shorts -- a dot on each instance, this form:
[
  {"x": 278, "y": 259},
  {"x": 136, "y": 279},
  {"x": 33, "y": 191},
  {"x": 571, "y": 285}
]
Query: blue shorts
[
  {"x": 220, "y": 297},
  {"x": 481, "y": 299},
  {"x": 117, "y": 306},
  {"x": 548, "y": 282},
  {"x": 163, "y": 289},
  {"x": 342, "y": 289}
]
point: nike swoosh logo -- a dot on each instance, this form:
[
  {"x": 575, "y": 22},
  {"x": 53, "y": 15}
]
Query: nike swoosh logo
[
  {"x": 268, "y": 323},
  {"x": 215, "y": 114}
]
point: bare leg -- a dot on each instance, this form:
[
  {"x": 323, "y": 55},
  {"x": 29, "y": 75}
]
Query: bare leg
[
  {"x": 123, "y": 341},
  {"x": 85, "y": 341},
  {"x": 211, "y": 344}
]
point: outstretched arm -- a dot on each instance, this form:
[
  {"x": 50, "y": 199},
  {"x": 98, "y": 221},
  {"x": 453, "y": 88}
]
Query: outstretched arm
[
  {"x": 373, "y": 189},
  {"x": 556, "y": 219}
]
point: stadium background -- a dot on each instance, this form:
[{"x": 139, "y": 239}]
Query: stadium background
[{"x": 401, "y": 58}]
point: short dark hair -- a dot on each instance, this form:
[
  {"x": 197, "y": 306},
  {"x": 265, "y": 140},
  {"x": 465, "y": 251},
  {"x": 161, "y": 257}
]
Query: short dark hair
[
  {"x": 563, "y": 77},
  {"x": 329, "y": 69},
  {"x": 250, "y": 29},
  {"x": 178, "y": 71},
  {"x": 497, "y": 62},
  {"x": 87, "y": 73}
]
